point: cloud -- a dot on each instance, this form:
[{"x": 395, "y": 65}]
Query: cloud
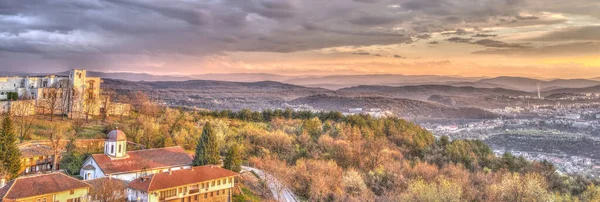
[
  {"x": 498, "y": 44},
  {"x": 484, "y": 35},
  {"x": 459, "y": 40},
  {"x": 567, "y": 49},
  {"x": 103, "y": 30},
  {"x": 574, "y": 33}
]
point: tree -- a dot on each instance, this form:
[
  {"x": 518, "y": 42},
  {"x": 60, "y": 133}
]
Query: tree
[
  {"x": 67, "y": 93},
  {"x": 105, "y": 102},
  {"x": 108, "y": 190},
  {"x": 72, "y": 161},
  {"x": 233, "y": 160},
  {"x": 55, "y": 134},
  {"x": 24, "y": 112},
  {"x": 207, "y": 149},
  {"x": 51, "y": 100},
  {"x": 90, "y": 103},
  {"x": 10, "y": 156}
]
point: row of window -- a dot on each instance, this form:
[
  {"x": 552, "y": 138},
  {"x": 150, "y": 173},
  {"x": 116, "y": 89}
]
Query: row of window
[
  {"x": 68, "y": 200},
  {"x": 204, "y": 185}
]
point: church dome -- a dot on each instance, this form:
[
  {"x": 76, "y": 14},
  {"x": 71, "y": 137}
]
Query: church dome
[{"x": 117, "y": 135}]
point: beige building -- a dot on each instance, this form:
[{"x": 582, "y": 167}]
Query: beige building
[
  {"x": 198, "y": 184},
  {"x": 75, "y": 95},
  {"x": 55, "y": 187}
]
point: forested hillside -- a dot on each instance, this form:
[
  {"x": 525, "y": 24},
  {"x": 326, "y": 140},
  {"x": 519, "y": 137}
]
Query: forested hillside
[{"x": 329, "y": 157}]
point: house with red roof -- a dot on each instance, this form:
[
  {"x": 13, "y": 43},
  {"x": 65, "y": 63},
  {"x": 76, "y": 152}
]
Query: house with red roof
[
  {"x": 117, "y": 162},
  {"x": 53, "y": 187},
  {"x": 202, "y": 183}
]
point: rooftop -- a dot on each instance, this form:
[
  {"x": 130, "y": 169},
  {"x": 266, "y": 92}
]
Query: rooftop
[
  {"x": 35, "y": 151},
  {"x": 116, "y": 135},
  {"x": 177, "y": 178},
  {"x": 39, "y": 185},
  {"x": 144, "y": 159}
]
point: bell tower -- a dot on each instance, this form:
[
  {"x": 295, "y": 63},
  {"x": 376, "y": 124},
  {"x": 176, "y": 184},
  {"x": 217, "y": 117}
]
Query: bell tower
[{"x": 115, "y": 145}]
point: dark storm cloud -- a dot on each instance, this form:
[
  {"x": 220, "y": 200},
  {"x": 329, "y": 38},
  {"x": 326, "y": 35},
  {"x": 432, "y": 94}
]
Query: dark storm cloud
[{"x": 63, "y": 30}]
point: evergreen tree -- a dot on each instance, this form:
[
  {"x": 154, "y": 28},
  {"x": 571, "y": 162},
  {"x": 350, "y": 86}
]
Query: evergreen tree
[
  {"x": 10, "y": 156},
  {"x": 233, "y": 160},
  {"x": 207, "y": 149}
]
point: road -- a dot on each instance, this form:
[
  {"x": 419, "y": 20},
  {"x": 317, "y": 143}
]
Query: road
[{"x": 280, "y": 192}]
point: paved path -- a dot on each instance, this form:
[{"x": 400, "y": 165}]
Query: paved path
[{"x": 280, "y": 191}]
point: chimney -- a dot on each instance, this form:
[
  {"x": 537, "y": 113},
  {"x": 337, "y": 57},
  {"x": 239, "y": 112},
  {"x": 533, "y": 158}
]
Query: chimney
[{"x": 2, "y": 182}]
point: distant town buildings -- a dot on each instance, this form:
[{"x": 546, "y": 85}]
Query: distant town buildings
[{"x": 74, "y": 95}]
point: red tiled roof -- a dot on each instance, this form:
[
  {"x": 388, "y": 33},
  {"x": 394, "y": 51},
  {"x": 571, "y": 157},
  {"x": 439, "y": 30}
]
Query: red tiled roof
[
  {"x": 177, "y": 178},
  {"x": 39, "y": 185},
  {"x": 35, "y": 151},
  {"x": 143, "y": 159},
  {"x": 5, "y": 189}
]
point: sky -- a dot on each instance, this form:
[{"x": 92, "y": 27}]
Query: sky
[{"x": 471, "y": 38}]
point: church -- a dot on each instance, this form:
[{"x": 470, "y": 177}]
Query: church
[{"x": 117, "y": 162}]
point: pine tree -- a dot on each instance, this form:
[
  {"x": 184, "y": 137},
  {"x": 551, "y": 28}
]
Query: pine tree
[
  {"x": 10, "y": 156},
  {"x": 233, "y": 160},
  {"x": 207, "y": 149}
]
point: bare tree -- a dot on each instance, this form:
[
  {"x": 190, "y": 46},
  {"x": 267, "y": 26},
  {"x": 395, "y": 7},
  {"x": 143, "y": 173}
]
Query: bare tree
[
  {"x": 55, "y": 134},
  {"x": 51, "y": 100},
  {"x": 90, "y": 103},
  {"x": 67, "y": 96},
  {"x": 123, "y": 99},
  {"x": 24, "y": 112},
  {"x": 105, "y": 101},
  {"x": 108, "y": 190}
]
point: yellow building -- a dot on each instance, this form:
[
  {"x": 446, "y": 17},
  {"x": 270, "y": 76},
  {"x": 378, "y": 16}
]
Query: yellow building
[
  {"x": 54, "y": 187},
  {"x": 198, "y": 184},
  {"x": 36, "y": 158}
]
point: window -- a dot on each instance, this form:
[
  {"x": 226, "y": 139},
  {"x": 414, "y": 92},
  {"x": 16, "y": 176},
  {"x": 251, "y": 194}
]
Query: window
[
  {"x": 168, "y": 194},
  {"x": 218, "y": 182},
  {"x": 112, "y": 149},
  {"x": 218, "y": 193},
  {"x": 213, "y": 184},
  {"x": 223, "y": 191},
  {"x": 72, "y": 192},
  {"x": 211, "y": 194},
  {"x": 205, "y": 195},
  {"x": 119, "y": 148},
  {"x": 202, "y": 185}
]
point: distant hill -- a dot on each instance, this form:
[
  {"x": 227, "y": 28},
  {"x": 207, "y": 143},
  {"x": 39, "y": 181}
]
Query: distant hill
[
  {"x": 402, "y": 107},
  {"x": 531, "y": 85},
  {"x": 219, "y": 94},
  {"x": 423, "y": 92},
  {"x": 242, "y": 77},
  {"x": 592, "y": 89},
  {"x": 137, "y": 76},
  {"x": 343, "y": 81}
]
